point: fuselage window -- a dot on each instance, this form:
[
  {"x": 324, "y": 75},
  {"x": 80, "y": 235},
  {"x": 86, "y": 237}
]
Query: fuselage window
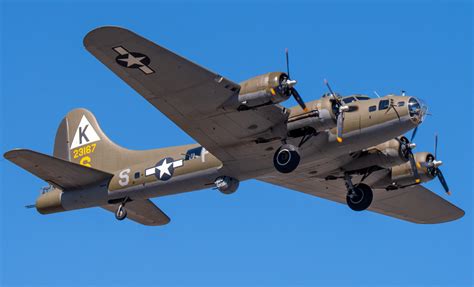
[
  {"x": 372, "y": 108},
  {"x": 401, "y": 104},
  {"x": 383, "y": 105},
  {"x": 137, "y": 175},
  {"x": 193, "y": 153},
  {"x": 362, "y": 98}
]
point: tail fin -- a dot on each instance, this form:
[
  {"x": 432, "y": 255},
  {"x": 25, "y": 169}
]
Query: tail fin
[{"x": 79, "y": 139}]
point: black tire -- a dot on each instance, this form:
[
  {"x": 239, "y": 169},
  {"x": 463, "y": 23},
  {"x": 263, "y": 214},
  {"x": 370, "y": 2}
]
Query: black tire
[
  {"x": 362, "y": 199},
  {"x": 286, "y": 158},
  {"x": 121, "y": 213}
]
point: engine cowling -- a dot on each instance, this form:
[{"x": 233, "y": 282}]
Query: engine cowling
[
  {"x": 261, "y": 90},
  {"x": 321, "y": 117},
  {"x": 402, "y": 175}
]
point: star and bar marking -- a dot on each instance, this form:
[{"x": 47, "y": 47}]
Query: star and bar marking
[
  {"x": 133, "y": 60},
  {"x": 164, "y": 169}
]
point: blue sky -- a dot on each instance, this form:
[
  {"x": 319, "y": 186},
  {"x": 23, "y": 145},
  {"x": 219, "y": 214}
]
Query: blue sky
[{"x": 262, "y": 235}]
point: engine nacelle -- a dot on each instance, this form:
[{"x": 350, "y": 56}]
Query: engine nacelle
[
  {"x": 402, "y": 174},
  {"x": 261, "y": 90},
  {"x": 321, "y": 117},
  {"x": 384, "y": 155},
  {"x": 226, "y": 184}
]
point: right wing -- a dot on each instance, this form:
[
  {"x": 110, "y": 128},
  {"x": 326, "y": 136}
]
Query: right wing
[
  {"x": 415, "y": 204},
  {"x": 190, "y": 95},
  {"x": 143, "y": 211}
]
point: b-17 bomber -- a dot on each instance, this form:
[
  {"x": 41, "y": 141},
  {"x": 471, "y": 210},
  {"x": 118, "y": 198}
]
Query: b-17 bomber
[{"x": 348, "y": 149}]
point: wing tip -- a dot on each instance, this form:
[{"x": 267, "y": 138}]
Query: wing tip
[
  {"x": 455, "y": 215},
  {"x": 159, "y": 223},
  {"x": 11, "y": 154},
  {"x": 99, "y": 32}
]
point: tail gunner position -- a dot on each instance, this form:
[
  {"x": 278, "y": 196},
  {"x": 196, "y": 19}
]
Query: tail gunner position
[{"x": 345, "y": 149}]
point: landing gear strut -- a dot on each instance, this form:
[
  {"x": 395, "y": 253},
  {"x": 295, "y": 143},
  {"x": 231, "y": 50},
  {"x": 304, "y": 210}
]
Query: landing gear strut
[
  {"x": 359, "y": 196},
  {"x": 286, "y": 158},
  {"x": 121, "y": 212}
]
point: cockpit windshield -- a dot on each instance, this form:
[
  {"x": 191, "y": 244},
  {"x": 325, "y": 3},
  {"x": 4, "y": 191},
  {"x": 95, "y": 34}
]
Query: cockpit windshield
[
  {"x": 351, "y": 99},
  {"x": 348, "y": 100}
]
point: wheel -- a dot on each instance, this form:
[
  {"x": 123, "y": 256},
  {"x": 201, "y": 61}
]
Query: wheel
[
  {"x": 286, "y": 158},
  {"x": 121, "y": 213},
  {"x": 361, "y": 198}
]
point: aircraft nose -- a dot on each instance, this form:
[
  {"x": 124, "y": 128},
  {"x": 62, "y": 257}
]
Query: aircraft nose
[{"x": 417, "y": 109}]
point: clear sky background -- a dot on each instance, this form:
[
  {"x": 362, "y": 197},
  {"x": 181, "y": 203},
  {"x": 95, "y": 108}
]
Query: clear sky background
[{"x": 262, "y": 235}]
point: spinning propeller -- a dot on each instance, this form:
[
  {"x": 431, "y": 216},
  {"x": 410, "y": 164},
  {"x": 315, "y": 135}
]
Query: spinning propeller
[
  {"x": 340, "y": 112},
  {"x": 289, "y": 84},
  {"x": 433, "y": 167},
  {"x": 407, "y": 148}
]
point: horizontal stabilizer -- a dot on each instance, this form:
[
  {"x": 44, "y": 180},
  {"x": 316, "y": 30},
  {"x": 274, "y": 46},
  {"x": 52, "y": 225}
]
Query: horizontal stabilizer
[
  {"x": 64, "y": 174},
  {"x": 142, "y": 211}
]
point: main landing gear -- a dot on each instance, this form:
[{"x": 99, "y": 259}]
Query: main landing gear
[
  {"x": 121, "y": 212},
  {"x": 286, "y": 158},
  {"x": 359, "y": 196}
]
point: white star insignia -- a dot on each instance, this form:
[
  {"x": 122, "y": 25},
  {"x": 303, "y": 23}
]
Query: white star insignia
[
  {"x": 164, "y": 168},
  {"x": 131, "y": 60}
]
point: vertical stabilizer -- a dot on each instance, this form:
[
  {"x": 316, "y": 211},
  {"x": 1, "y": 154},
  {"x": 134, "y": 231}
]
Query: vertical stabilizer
[{"x": 79, "y": 139}]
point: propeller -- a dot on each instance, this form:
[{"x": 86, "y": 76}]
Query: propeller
[
  {"x": 340, "y": 112},
  {"x": 433, "y": 167},
  {"x": 407, "y": 148},
  {"x": 410, "y": 146},
  {"x": 290, "y": 85},
  {"x": 413, "y": 134}
]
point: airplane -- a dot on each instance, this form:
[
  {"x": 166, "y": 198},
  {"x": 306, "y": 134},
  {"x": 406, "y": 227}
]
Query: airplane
[{"x": 347, "y": 149}]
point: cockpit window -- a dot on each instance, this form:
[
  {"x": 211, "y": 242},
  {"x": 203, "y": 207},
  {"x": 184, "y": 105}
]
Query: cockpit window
[
  {"x": 193, "y": 153},
  {"x": 348, "y": 100},
  {"x": 383, "y": 105}
]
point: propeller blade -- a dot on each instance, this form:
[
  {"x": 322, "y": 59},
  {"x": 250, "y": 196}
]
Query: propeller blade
[
  {"x": 413, "y": 134},
  {"x": 413, "y": 166},
  {"x": 298, "y": 99},
  {"x": 443, "y": 181},
  {"x": 436, "y": 146},
  {"x": 340, "y": 126},
  {"x": 287, "y": 63},
  {"x": 332, "y": 93},
  {"x": 340, "y": 115}
]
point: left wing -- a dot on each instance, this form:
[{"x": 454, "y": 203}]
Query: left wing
[
  {"x": 142, "y": 211},
  {"x": 415, "y": 204},
  {"x": 190, "y": 95}
]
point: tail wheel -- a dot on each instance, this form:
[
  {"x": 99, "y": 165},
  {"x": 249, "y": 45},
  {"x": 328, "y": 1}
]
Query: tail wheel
[
  {"x": 121, "y": 212},
  {"x": 286, "y": 158},
  {"x": 360, "y": 197}
]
